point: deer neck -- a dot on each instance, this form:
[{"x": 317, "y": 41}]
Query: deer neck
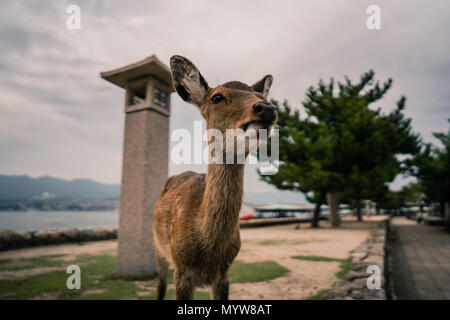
[{"x": 222, "y": 201}]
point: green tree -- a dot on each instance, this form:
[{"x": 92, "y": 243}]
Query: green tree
[
  {"x": 432, "y": 168},
  {"x": 389, "y": 200},
  {"x": 341, "y": 148},
  {"x": 410, "y": 195}
]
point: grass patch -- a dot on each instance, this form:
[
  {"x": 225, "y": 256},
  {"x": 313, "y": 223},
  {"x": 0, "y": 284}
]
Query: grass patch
[
  {"x": 241, "y": 272},
  {"x": 131, "y": 277},
  {"x": 32, "y": 286},
  {"x": 202, "y": 295},
  {"x": 345, "y": 267},
  {"x": 96, "y": 273},
  {"x": 271, "y": 242},
  {"x": 275, "y": 242},
  {"x": 4, "y": 262},
  {"x": 317, "y": 258},
  {"x": 319, "y": 295},
  {"x": 113, "y": 290},
  {"x": 344, "y": 263},
  {"x": 35, "y": 262},
  {"x": 100, "y": 282},
  {"x": 198, "y": 295},
  {"x": 298, "y": 242},
  {"x": 48, "y": 256}
]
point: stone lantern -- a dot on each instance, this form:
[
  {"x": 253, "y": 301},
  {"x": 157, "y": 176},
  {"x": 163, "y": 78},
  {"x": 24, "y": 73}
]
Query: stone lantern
[{"x": 148, "y": 86}]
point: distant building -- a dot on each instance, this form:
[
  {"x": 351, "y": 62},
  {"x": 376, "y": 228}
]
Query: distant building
[
  {"x": 278, "y": 210},
  {"x": 285, "y": 210}
]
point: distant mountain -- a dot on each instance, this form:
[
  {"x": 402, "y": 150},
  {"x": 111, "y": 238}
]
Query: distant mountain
[
  {"x": 14, "y": 188},
  {"x": 23, "y": 188}
]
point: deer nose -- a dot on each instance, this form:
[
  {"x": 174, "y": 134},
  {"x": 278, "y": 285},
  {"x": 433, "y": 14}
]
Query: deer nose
[{"x": 265, "y": 111}]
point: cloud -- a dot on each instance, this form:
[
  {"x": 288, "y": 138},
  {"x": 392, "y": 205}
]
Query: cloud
[{"x": 60, "y": 118}]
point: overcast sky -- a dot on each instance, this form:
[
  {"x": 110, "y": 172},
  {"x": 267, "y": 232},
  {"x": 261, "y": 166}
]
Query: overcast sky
[{"x": 59, "y": 118}]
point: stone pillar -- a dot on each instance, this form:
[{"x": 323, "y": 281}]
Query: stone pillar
[{"x": 148, "y": 86}]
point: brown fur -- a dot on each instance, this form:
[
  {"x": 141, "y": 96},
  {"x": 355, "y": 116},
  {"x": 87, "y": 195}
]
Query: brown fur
[{"x": 195, "y": 222}]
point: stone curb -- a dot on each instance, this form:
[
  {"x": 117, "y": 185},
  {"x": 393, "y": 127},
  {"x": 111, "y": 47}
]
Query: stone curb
[
  {"x": 371, "y": 252},
  {"x": 10, "y": 239}
]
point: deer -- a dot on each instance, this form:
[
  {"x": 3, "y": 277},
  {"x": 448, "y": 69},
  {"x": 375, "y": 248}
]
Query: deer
[{"x": 196, "y": 219}]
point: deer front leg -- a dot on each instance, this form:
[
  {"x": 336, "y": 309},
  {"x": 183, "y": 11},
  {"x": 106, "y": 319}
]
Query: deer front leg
[
  {"x": 184, "y": 289},
  {"x": 163, "y": 267},
  {"x": 221, "y": 286}
]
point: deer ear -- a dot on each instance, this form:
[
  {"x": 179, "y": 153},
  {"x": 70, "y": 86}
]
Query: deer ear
[
  {"x": 188, "y": 81},
  {"x": 263, "y": 85}
]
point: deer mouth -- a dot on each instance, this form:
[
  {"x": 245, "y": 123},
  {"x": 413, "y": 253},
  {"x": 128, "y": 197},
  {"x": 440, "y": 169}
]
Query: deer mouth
[{"x": 256, "y": 125}]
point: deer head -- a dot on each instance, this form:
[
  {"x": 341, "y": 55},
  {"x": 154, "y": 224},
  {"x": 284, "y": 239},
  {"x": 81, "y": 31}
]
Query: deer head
[{"x": 232, "y": 105}]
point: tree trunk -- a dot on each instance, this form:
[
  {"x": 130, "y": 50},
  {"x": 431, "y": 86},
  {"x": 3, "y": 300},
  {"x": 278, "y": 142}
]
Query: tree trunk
[
  {"x": 447, "y": 215},
  {"x": 358, "y": 210},
  {"x": 316, "y": 216},
  {"x": 442, "y": 210},
  {"x": 333, "y": 204}
]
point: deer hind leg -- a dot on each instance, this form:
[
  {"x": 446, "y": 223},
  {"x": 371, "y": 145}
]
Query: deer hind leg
[
  {"x": 163, "y": 267},
  {"x": 184, "y": 288},
  {"x": 220, "y": 287}
]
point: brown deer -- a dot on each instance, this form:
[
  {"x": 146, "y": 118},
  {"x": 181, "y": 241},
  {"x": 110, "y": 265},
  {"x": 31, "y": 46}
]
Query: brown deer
[{"x": 195, "y": 222}]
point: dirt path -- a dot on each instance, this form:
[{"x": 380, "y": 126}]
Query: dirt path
[{"x": 280, "y": 243}]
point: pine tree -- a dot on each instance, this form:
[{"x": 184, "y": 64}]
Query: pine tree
[
  {"x": 432, "y": 168},
  {"x": 341, "y": 148}
]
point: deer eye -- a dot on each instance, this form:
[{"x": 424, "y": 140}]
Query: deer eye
[{"x": 217, "y": 98}]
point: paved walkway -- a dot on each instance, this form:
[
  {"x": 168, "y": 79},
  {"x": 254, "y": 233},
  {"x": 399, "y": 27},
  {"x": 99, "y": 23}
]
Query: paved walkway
[{"x": 421, "y": 257}]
